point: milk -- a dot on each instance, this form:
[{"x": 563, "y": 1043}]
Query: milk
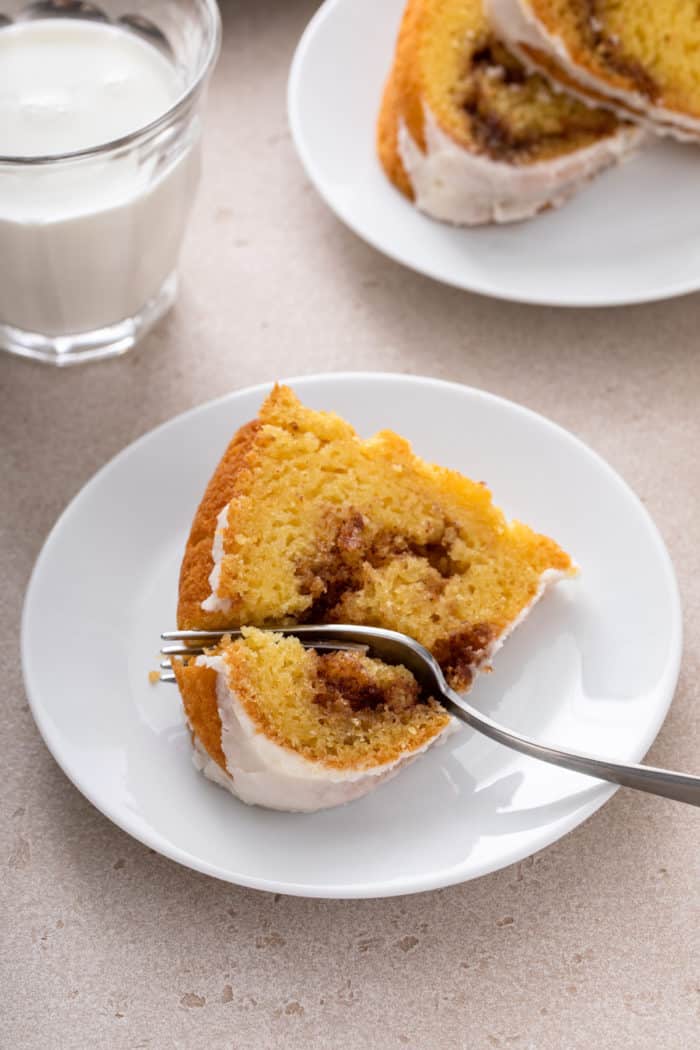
[{"x": 86, "y": 243}]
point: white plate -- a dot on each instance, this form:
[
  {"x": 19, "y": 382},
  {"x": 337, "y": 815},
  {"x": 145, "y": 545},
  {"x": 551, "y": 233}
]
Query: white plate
[
  {"x": 594, "y": 666},
  {"x": 632, "y": 236}
]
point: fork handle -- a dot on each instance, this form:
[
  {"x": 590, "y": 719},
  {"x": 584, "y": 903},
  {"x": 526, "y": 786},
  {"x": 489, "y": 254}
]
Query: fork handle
[{"x": 682, "y": 787}]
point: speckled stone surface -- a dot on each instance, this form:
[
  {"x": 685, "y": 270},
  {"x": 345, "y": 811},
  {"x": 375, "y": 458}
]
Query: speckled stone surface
[{"x": 594, "y": 943}]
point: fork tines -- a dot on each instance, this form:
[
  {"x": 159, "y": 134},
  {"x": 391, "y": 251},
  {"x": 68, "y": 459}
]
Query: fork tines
[{"x": 207, "y": 639}]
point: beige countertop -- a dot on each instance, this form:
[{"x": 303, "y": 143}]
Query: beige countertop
[{"x": 595, "y": 942}]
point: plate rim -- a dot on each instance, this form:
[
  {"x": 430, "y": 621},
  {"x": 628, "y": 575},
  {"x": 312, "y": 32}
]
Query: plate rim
[
  {"x": 487, "y": 289},
  {"x": 403, "y": 885}
]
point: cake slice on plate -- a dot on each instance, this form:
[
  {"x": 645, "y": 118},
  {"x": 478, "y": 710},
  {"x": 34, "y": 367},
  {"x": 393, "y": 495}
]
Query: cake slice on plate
[
  {"x": 641, "y": 59},
  {"x": 305, "y": 522},
  {"x": 472, "y": 137}
]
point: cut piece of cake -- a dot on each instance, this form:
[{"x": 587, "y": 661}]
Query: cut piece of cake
[
  {"x": 305, "y": 522},
  {"x": 289, "y": 728},
  {"x": 472, "y": 137},
  {"x": 640, "y": 58}
]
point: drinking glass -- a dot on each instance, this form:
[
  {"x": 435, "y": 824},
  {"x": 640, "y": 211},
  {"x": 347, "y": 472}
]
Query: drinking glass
[{"x": 89, "y": 240}]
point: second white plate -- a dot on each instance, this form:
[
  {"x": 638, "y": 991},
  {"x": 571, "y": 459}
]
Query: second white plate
[
  {"x": 632, "y": 236},
  {"x": 593, "y": 667}
]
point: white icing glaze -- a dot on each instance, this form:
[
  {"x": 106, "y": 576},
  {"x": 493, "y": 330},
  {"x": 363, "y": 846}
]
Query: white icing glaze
[
  {"x": 456, "y": 185},
  {"x": 264, "y": 773},
  {"x": 214, "y": 603},
  {"x": 516, "y": 24}
]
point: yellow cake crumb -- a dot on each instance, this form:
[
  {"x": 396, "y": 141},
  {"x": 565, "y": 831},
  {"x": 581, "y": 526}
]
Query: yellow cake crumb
[
  {"x": 343, "y": 709},
  {"x": 323, "y": 526}
]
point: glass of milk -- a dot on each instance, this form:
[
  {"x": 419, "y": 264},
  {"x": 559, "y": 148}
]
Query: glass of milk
[{"x": 100, "y": 128}]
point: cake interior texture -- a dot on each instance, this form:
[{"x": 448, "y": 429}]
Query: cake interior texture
[
  {"x": 342, "y": 709},
  {"x": 651, "y": 47},
  {"x": 306, "y": 522},
  {"x": 449, "y": 60}
]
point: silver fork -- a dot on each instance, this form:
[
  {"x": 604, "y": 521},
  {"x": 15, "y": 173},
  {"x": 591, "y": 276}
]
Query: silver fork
[{"x": 395, "y": 648}]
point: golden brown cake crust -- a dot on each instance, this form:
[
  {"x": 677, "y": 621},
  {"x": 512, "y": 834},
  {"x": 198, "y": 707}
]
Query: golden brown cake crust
[
  {"x": 197, "y": 563},
  {"x": 402, "y": 99},
  {"x": 197, "y": 687}
]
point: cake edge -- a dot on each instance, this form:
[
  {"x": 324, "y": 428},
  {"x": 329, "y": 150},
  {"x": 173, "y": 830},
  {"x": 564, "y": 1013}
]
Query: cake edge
[
  {"x": 458, "y": 186},
  {"x": 260, "y": 771}
]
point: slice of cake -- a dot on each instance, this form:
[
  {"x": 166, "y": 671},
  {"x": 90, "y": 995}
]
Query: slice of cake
[
  {"x": 472, "y": 137},
  {"x": 641, "y": 58},
  {"x": 305, "y": 522},
  {"x": 288, "y": 728}
]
